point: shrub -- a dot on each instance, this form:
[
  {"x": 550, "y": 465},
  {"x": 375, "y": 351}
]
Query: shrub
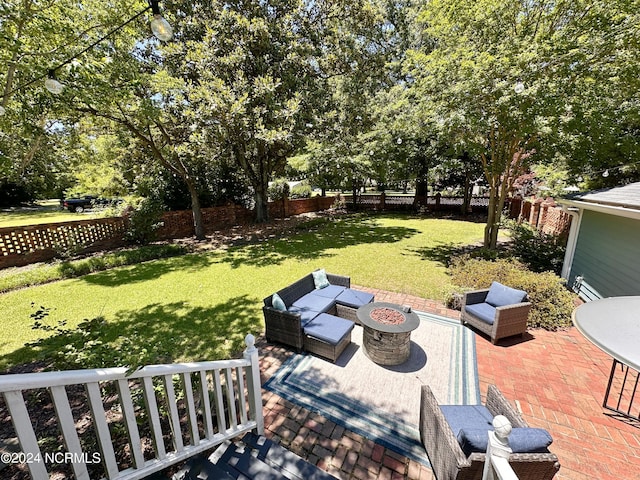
[
  {"x": 540, "y": 251},
  {"x": 301, "y": 191},
  {"x": 339, "y": 204},
  {"x": 278, "y": 190},
  {"x": 144, "y": 221},
  {"x": 552, "y": 303}
]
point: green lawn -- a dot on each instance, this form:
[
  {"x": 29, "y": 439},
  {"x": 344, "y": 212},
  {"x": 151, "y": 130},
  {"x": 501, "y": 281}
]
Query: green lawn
[
  {"x": 47, "y": 211},
  {"x": 200, "y": 306}
]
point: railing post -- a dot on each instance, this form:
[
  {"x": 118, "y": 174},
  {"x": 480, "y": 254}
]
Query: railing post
[
  {"x": 496, "y": 463},
  {"x": 254, "y": 385}
]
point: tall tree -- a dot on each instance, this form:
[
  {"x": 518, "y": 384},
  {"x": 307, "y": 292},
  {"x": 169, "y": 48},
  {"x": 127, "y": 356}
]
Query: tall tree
[
  {"x": 507, "y": 79},
  {"x": 36, "y": 36}
]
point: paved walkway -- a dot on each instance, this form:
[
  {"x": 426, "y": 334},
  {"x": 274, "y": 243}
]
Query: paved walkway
[{"x": 557, "y": 379}]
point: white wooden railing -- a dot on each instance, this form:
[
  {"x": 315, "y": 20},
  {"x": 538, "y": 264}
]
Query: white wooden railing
[
  {"x": 200, "y": 404},
  {"x": 496, "y": 465}
]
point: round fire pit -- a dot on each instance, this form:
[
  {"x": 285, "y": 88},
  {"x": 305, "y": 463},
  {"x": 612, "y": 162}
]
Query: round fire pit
[{"x": 386, "y": 332}]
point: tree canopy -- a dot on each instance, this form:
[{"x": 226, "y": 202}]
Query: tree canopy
[{"x": 396, "y": 92}]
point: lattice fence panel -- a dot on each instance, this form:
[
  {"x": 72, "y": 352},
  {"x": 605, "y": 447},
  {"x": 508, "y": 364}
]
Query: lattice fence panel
[{"x": 41, "y": 242}]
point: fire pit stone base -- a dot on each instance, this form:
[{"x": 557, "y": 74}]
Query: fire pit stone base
[{"x": 386, "y": 348}]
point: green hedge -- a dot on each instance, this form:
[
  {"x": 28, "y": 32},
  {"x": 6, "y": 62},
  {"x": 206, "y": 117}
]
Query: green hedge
[{"x": 552, "y": 303}]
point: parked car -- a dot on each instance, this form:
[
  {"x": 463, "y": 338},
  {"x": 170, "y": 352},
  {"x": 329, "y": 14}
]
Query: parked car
[{"x": 80, "y": 204}]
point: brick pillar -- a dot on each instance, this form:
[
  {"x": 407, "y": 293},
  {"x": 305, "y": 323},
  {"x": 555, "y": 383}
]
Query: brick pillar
[
  {"x": 534, "y": 216},
  {"x": 515, "y": 207}
]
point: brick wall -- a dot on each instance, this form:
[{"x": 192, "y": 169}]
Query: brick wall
[
  {"x": 543, "y": 214},
  {"x": 36, "y": 243}
]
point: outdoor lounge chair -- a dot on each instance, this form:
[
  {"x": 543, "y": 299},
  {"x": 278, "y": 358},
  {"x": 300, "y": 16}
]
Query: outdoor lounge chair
[
  {"x": 450, "y": 435},
  {"x": 499, "y": 311}
]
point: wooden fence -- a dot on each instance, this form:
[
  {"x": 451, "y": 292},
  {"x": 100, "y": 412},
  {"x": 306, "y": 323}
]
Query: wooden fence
[
  {"x": 436, "y": 203},
  {"x": 36, "y": 243}
]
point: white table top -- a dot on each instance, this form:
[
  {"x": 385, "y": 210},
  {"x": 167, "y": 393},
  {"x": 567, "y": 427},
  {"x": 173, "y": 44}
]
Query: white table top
[{"x": 612, "y": 324}]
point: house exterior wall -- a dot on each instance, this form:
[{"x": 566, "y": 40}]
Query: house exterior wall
[{"x": 607, "y": 254}]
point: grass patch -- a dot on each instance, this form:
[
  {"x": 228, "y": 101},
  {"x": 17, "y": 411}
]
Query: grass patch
[
  {"x": 14, "y": 278},
  {"x": 200, "y": 306},
  {"x": 44, "y": 212}
]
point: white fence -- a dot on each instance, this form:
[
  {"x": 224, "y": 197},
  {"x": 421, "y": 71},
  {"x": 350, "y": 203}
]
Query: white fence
[{"x": 108, "y": 419}]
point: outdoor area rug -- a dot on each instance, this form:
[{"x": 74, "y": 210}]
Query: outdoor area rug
[{"x": 383, "y": 403}]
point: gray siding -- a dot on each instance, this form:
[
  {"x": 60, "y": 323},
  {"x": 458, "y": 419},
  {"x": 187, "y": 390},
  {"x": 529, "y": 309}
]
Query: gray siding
[{"x": 607, "y": 254}]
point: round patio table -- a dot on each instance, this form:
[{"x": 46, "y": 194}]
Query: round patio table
[{"x": 613, "y": 325}]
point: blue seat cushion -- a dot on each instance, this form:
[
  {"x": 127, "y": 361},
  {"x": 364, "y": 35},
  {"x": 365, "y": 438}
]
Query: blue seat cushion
[
  {"x": 306, "y": 314},
  {"x": 332, "y": 291},
  {"x": 521, "y": 440},
  {"x": 500, "y": 295},
  {"x": 354, "y": 298},
  {"x": 328, "y": 328},
  {"x": 460, "y": 417},
  {"x": 314, "y": 302},
  {"x": 483, "y": 311}
]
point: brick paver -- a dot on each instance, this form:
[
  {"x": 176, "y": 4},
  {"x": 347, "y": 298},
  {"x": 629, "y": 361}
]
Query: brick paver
[{"x": 556, "y": 379}]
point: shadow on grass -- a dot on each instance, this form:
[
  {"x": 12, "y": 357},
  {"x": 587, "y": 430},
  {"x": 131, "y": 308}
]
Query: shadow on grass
[
  {"x": 157, "y": 333},
  {"x": 445, "y": 252},
  {"x": 142, "y": 272},
  {"x": 317, "y": 241}
]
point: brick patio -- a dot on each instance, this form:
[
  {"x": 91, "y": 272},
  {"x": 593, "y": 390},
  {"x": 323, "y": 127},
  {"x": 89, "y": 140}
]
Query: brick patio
[{"x": 557, "y": 379}]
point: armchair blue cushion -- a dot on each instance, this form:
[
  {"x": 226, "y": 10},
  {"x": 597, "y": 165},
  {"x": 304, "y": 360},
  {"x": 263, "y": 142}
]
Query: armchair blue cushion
[
  {"x": 475, "y": 417},
  {"x": 521, "y": 440},
  {"x": 483, "y": 311},
  {"x": 500, "y": 295}
]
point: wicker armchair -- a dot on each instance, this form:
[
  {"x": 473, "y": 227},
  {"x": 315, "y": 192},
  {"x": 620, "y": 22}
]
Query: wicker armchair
[
  {"x": 447, "y": 458},
  {"x": 509, "y": 320}
]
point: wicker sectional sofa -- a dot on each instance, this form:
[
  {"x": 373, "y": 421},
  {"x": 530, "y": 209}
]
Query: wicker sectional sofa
[{"x": 318, "y": 320}]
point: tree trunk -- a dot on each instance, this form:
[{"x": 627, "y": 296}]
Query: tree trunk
[
  {"x": 354, "y": 194},
  {"x": 466, "y": 203},
  {"x": 262, "y": 204},
  {"x": 466, "y": 200},
  {"x": 422, "y": 184},
  {"x": 198, "y": 223},
  {"x": 491, "y": 227}
]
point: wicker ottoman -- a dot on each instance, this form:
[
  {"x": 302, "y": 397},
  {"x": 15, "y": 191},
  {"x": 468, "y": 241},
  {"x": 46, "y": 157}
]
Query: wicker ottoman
[{"x": 327, "y": 336}]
